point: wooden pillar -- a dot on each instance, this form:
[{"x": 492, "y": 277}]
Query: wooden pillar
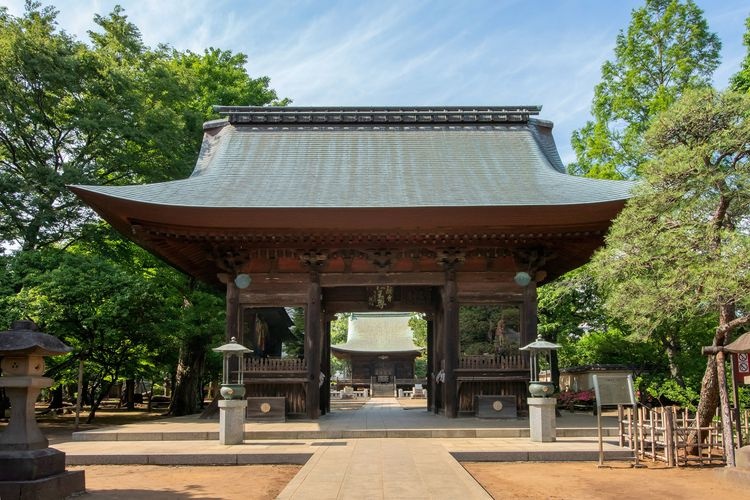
[
  {"x": 529, "y": 314},
  {"x": 325, "y": 389},
  {"x": 438, "y": 346},
  {"x": 451, "y": 343},
  {"x": 247, "y": 330},
  {"x": 313, "y": 338},
  {"x": 431, "y": 371},
  {"x": 233, "y": 310},
  {"x": 232, "y": 326}
]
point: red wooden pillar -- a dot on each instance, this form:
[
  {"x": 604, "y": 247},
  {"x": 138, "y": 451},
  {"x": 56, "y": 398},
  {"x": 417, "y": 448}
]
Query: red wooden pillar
[
  {"x": 451, "y": 343},
  {"x": 313, "y": 337}
]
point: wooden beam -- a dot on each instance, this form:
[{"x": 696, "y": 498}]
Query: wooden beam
[
  {"x": 269, "y": 299},
  {"x": 388, "y": 278}
]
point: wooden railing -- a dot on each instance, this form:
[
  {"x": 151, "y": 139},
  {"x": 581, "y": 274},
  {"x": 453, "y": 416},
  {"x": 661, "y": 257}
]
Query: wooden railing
[
  {"x": 662, "y": 434},
  {"x": 268, "y": 365},
  {"x": 494, "y": 362}
]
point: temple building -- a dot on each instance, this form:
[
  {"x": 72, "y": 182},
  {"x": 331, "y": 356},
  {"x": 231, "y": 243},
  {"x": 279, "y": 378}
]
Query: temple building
[
  {"x": 379, "y": 347},
  {"x": 418, "y": 209}
]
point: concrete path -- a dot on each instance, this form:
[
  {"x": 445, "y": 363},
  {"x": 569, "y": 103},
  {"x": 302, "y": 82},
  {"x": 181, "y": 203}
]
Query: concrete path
[{"x": 383, "y": 469}]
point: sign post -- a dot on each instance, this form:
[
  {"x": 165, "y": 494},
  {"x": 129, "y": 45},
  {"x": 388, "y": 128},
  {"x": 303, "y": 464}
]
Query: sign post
[{"x": 614, "y": 390}]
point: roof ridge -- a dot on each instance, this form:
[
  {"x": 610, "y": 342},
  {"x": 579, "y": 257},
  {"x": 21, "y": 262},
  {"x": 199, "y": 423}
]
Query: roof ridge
[{"x": 375, "y": 115}]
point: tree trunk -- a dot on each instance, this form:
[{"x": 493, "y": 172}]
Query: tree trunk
[
  {"x": 709, "y": 401},
  {"x": 130, "y": 394},
  {"x": 709, "y": 398},
  {"x": 554, "y": 369},
  {"x": 56, "y": 402},
  {"x": 96, "y": 401},
  {"x": 672, "y": 348},
  {"x": 187, "y": 389}
]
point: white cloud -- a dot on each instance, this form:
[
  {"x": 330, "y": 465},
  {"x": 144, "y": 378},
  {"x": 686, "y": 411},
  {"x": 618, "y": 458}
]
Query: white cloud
[{"x": 437, "y": 52}]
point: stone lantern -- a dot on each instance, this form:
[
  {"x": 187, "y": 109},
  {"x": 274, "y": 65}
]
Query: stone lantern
[
  {"x": 542, "y": 419},
  {"x": 233, "y": 407},
  {"x": 28, "y": 467}
]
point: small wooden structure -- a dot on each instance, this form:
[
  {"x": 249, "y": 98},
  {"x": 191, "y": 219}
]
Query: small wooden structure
[{"x": 413, "y": 209}]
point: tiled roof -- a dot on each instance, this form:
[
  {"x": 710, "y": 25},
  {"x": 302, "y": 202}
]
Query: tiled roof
[
  {"x": 378, "y": 332},
  {"x": 376, "y": 157}
]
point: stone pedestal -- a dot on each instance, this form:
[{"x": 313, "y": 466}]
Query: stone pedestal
[
  {"x": 232, "y": 421},
  {"x": 542, "y": 422},
  {"x": 28, "y": 468}
]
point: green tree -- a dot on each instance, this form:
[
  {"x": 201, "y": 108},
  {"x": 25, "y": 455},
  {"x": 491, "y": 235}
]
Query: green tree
[
  {"x": 339, "y": 331},
  {"x": 666, "y": 50},
  {"x": 678, "y": 251},
  {"x": 110, "y": 112},
  {"x": 109, "y": 316},
  {"x": 740, "y": 82},
  {"x": 481, "y": 328},
  {"x": 70, "y": 114}
]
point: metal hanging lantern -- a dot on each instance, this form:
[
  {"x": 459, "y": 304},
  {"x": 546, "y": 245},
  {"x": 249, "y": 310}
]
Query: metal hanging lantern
[
  {"x": 522, "y": 278},
  {"x": 537, "y": 388},
  {"x": 232, "y": 389}
]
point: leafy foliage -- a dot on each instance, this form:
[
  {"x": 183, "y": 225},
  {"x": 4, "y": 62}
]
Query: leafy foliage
[
  {"x": 666, "y": 50},
  {"x": 111, "y": 111},
  {"x": 105, "y": 313},
  {"x": 677, "y": 253},
  {"x": 488, "y": 329},
  {"x": 679, "y": 248},
  {"x": 740, "y": 82}
]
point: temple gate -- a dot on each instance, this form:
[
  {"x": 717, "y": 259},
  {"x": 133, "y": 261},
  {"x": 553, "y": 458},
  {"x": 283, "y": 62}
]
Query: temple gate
[{"x": 357, "y": 209}]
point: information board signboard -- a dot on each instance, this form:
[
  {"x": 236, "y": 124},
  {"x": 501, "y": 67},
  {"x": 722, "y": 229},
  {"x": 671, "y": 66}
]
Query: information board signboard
[{"x": 612, "y": 390}]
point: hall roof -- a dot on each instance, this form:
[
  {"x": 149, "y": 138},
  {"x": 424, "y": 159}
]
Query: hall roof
[
  {"x": 380, "y": 332},
  {"x": 364, "y": 190},
  {"x": 259, "y": 158}
]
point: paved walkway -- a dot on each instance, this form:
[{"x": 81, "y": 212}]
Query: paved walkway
[
  {"x": 383, "y": 469},
  {"x": 417, "y": 465},
  {"x": 380, "y": 417}
]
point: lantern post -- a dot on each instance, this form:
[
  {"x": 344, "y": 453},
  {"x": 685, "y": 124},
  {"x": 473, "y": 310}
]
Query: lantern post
[
  {"x": 542, "y": 419},
  {"x": 233, "y": 407}
]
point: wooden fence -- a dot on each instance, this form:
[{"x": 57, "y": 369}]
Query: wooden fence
[
  {"x": 270, "y": 365},
  {"x": 662, "y": 434}
]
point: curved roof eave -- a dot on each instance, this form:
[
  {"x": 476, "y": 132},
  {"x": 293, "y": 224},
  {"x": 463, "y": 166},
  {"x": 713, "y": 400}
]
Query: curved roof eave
[{"x": 123, "y": 212}]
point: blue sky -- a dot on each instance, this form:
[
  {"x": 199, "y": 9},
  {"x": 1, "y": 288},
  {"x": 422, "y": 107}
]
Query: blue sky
[{"x": 412, "y": 52}]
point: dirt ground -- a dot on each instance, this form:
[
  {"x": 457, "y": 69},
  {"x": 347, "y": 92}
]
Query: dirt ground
[
  {"x": 552, "y": 481},
  {"x": 154, "y": 482},
  {"x": 585, "y": 481}
]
